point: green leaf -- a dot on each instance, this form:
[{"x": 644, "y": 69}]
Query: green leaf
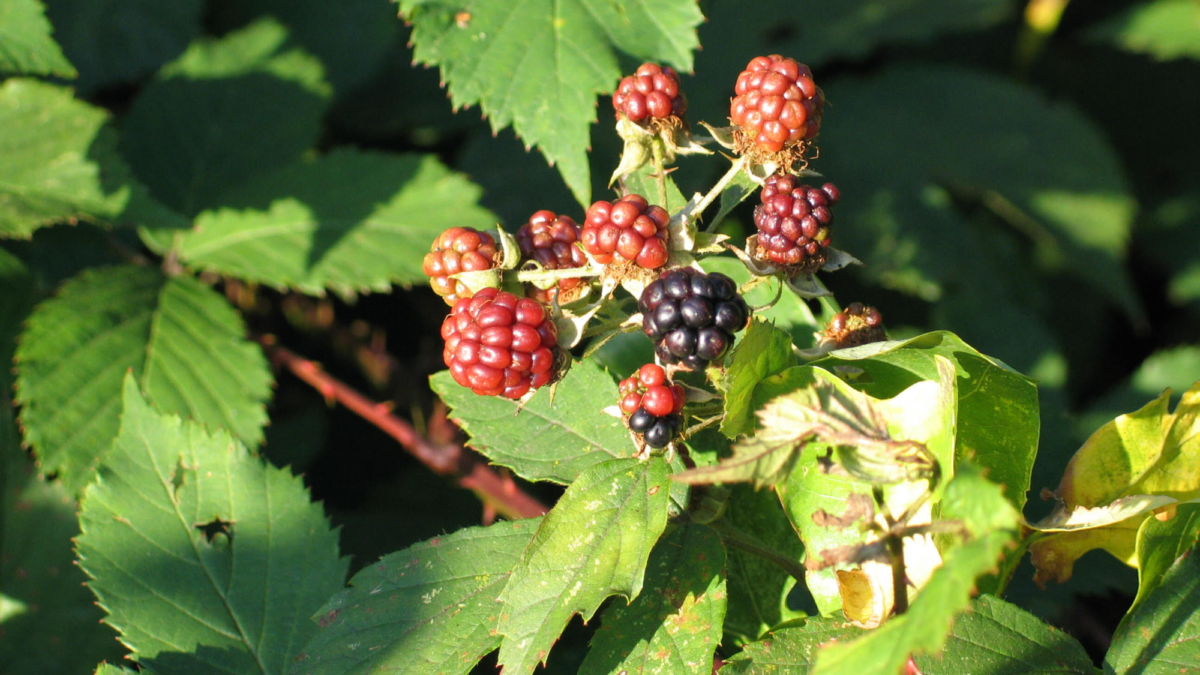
[
  {"x": 993, "y": 637},
  {"x": 512, "y": 57},
  {"x": 594, "y": 543},
  {"x": 1162, "y": 636},
  {"x": 640, "y": 182},
  {"x": 758, "y": 588},
  {"x": 997, "y": 407},
  {"x": 674, "y": 626},
  {"x": 1160, "y": 543},
  {"x": 790, "y": 313},
  {"x": 427, "y": 610},
  {"x": 206, "y": 559},
  {"x": 48, "y": 619},
  {"x": 113, "y": 41},
  {"x": 25, "y": 43},
  {"x": 1134, "y": 464},
  {"x": 110, "y": 669},
  {"x": 1164, "y": 29},
  {"x": 185, "y": 345},
  {"x": 226, "y": 110},
  {"x": 741, "y": 187},
  {"x": 990, "y": 523},
  {"x": 349, "y": 221},
  {"x": 960, "y": 134},
  {"x": 763, "y": 351},
  {"x": 790, "y": 649},
  {"x": 543, "y": 442},
  {"x": 59, "y": 163}
]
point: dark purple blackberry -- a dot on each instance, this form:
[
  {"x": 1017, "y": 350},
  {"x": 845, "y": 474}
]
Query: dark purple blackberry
[
  {"x": 793, "y": 222},
  {"x": 692, "y": 316}
]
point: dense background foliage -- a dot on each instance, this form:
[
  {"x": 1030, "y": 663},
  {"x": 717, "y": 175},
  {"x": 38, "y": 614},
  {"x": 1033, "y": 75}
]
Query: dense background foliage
[{"x": 1028, "y": 180}]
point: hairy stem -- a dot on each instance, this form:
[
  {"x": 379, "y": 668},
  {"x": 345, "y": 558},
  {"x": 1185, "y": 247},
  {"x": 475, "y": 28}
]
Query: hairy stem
[
  {"x": 556, "y": 275},
  {"x": 740, "y": 540},
  {"x": 717, "y": 189},
  {"x": 660, "y": 174}
]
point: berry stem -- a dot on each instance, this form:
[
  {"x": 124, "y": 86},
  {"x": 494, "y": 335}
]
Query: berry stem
[
  {"x": 547, "y": 276},
  {"x": 734, "y": 537},
  {"x": 660, "y": 174},
  {"x": 467, "y": 468},
  {"x": 734, "y": 170}
]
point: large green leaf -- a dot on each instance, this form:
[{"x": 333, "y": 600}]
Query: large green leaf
[
  {"x": 206, "y": 559},
  {"x": 25, "y": 42},
  {"x": 676, "y": 624},
  {"x": 349, "y": 221},
  {"x": 993, "y": 637},
  {"x": 904, "y": 142},
  {"x": 185, "y": 345},
  {"x": 514, "y": 59},
  {"x": 764, "y": 351},
  {"x": 594, "y": 543},
  {"x": 427, "y": 610},
  {"x": 58, "y": 163},
  {"x": 989, "y": 523},
  {"x": 543, "y": 442},
  {"x": 997, "y": 407},
  {"x": 224, "y": 111},
  {"x": 1162, "y": 636},
  {"x": 790, "y": 649},
  {"x": 113, "y": 41},
  {"x": 1160, "y": 543},
  {"x": 1164, "y": 29},
  {"x": 1134, "y": 464}
]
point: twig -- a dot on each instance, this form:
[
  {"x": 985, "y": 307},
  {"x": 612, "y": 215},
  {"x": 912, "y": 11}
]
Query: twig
[
  {"x": 740, "y": 540},
  {"x": 660, "y": 174},
  {"x": 497, "y": 491}
]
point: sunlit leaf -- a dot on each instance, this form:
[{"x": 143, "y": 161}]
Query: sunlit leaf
[
  {"x": 26, "y": 46},
  {"x": 1162, "y": 636},
  {"x": 1164, "y": 29}
]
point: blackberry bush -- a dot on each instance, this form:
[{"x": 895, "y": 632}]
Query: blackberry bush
[
  {"x": 628, "y": 230},
  {"x": 793, "y": 222},
  {"x": 458, "y": 249},
  {"x": 500, "y": 345},
  {"x": 652, "y": 406},
  {"x": 550, "y": 240},
  {"x": 692, "y": 316}
]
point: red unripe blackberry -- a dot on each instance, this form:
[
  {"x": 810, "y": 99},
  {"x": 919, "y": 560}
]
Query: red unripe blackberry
[
  {"x": 629, "y": 229},
  {"x": 651, "y": 406},
  {"x": 651, "y": 375},
  {"x": 652, "y": 93},
  {"x": 458, "y": 249},
  {"x": 500, "y": 345},
  {"x": 692, "y": 316},
  {"x": 550, "y": 240},
  {"x": 777, "y": 103},
  {"x": 658, "y": 401},
  {"x": 793, "y": 221},
  {"x": 855, "y": 325}
]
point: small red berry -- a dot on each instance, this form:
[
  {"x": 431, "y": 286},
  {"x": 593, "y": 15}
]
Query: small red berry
[
  {"x": 630, "y": 403},
  {"x": 499, "y": 345},
  {"x": 777, "y": 103},
  {"x": 652, "y": 93},
  {"x": 629, "y": 229},
  {"x": 680, "y": 398},
  {"x": 651, "y": 375},
  {"x": 658, "y": 401},
  {"x": 458, "y": 249}
]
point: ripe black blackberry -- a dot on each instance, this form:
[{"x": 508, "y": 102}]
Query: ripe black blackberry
[
  {"x": 793, "y": 222},
  {"x": 692, "y": 316}
]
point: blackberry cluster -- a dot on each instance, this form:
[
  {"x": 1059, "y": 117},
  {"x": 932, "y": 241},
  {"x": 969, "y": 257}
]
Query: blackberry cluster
[
  {"x": 458, "y": 249},
  {"x": 629, "y": 229},
  {"x": 652, "y": 93},
  {"x": 652, "y": 407},
  {"x": 692, "y": 316},
  {"x": 793, "y": 221},
  {"x": 500, "y": 345},
  {"x": 550, "y": 240},
  {"x": 856, "y": 325},
  {"x": 777, "y": 103}
]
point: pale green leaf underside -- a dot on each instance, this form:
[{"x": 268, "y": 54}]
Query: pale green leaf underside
[
  {"x": 1162, "y": 636},
  {"x": 238, "y": 603},
  {"x": 543, "y": 442},
  {"x": 593, "y": 544},
  {"x": 58, "y": 163},
  {"x": 350, "y": 221},
  {"x": 25, "y": 42},
  {"x": 538, "y": 64},
  {"x": 185, "y": 345},
  {"x": 676, "y": 624},
  {"x": 1165, "y": 29},
  {"x": 427, "y": 610}
]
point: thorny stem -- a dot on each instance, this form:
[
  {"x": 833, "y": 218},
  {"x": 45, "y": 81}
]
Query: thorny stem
[
  {"x": 497, "y": 491},
  {"x": 738, "y": 539},
  {"x": 717, "y": 189},
  {"x": 660, "y": 174},
  {"x": 895, "y": 544}
]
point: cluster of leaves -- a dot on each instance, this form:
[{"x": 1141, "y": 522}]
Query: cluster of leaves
[{"x": 156, "y": 153}]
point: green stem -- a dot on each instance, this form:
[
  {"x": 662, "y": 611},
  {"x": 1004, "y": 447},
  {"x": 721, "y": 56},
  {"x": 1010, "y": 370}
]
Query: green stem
[
  {"x": 556, "y": 275},
  {"x": 660, "y": 174},
  {"x": 740, "y": 540},
  {"x": 717, "y": 189},
  {"x": 1008, "y": 567}
]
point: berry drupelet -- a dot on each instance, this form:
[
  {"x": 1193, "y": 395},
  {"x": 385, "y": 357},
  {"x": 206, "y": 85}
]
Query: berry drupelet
[
  {"x": 692, "y": 316},
  {"x": 856, "y": 325},
  {"x": 500, "y": 345},
  {"x": 651, "y": 406},
  {"x": 629, "y": 229},
  {"x": 650, "y": 94},
  {"x": 550, "y": 240},
  {"x": 793, "y": 222},
  {"x": 777, "y": 104},
  {"x": 458, "y": 249}
]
